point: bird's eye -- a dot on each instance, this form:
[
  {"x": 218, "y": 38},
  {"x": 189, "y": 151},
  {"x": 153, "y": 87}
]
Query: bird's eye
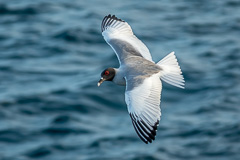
[{"x": 106, "y": 73}]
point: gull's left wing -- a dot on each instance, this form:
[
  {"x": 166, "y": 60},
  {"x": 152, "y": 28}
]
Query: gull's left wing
[{"x": 143, "y": 100}]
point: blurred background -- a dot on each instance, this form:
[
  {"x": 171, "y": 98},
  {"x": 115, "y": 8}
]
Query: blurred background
[{"x": 51, "y": 57}]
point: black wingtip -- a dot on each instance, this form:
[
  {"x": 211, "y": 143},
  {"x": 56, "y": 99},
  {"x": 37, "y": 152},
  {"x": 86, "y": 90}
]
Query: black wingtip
[
  {"x": 113, "y": 17},
  {"x": 143, "y": 131},
  {"x": 107, "y": 20}
]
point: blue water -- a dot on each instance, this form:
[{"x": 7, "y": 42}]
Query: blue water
[{"x": 51, "y": 57}]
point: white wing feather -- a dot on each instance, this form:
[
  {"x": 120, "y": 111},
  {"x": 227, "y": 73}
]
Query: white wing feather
[{"x": 144, "y": 106}]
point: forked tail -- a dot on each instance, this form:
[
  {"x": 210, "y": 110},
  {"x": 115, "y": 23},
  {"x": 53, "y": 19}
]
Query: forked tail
[{"x": 171, "y": 71}]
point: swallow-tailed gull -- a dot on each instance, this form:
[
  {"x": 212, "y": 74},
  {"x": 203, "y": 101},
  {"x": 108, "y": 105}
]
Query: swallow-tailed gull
[{"x": 141, "y": 76}]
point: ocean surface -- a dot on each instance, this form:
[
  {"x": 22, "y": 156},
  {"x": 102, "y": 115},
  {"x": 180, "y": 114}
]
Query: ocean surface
[{"x": 51, "y": 57}]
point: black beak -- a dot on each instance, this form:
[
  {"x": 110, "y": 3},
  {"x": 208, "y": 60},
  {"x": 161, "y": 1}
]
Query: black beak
[{"x": 100, "y": 81}]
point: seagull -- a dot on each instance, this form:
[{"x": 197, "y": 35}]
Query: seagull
[{"x": 140, "y": 74}]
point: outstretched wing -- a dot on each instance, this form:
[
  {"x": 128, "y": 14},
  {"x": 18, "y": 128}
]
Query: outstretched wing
[
  {"x": 143, "y": 100},
  {"x": 118, "y": 34}
]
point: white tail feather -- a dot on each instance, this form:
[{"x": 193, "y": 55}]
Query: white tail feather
[{"x": 171, "y": 71}]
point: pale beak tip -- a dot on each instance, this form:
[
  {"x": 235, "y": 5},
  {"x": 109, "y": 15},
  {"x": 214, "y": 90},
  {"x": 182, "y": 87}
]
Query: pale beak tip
[{"x": 100, "y": 81}]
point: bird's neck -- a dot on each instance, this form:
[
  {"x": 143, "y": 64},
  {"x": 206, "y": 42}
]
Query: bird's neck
[{"x": 119, "y": 77}]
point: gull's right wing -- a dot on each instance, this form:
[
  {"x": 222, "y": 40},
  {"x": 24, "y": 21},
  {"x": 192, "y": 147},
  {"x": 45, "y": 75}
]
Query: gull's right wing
[{"x": 118, "y": 34}]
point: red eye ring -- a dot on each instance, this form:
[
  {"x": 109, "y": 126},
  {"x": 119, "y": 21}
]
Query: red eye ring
[{"x": 106, "y": 73}]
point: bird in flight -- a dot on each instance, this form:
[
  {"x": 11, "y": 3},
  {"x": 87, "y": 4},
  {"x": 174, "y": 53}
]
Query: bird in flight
[{"x": 141, "y": 76}]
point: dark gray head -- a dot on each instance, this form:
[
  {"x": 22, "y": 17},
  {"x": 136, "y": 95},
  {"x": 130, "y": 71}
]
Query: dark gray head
[{"x": 107, "y": 75}]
